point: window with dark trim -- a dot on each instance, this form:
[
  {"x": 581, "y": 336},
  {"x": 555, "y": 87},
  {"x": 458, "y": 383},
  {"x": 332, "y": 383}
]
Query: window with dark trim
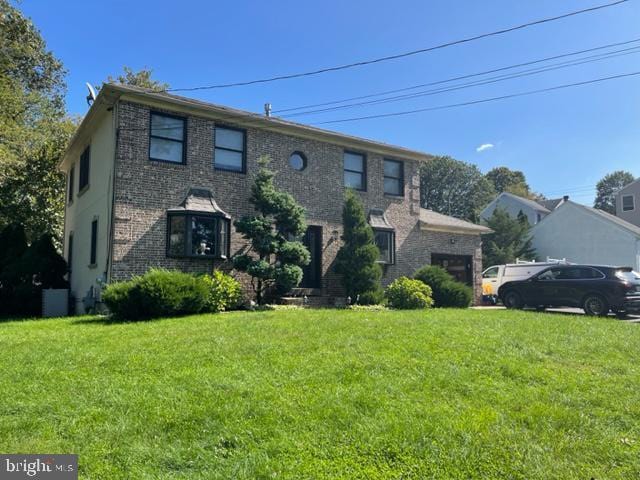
[
  {"x": 70, "y": 255},
  {"x": 85, "y": 165},
  {"x": 167, "y": 138},
  {"x": 230, "y": 148},
  {"x": 394, "y": 177},
  {"x": 355, "y": 170},
  {"x": 628, "y": 203},
  {"x": 385, "y": 240},
  {"x": 72, "y": 175},
  {"x": 197, "y": 235},
  {"x": 94, "y": 243}
]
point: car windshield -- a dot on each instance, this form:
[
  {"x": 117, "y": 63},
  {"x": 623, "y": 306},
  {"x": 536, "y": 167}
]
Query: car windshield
[{"x": 628, "y": 275}]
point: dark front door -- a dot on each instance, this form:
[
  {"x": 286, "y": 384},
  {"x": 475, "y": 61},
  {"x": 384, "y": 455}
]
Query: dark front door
[
  {"x": 312, "y": 272},
  {"x": 460, "y": 266}
]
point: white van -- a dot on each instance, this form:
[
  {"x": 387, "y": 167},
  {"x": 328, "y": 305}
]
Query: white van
[{"x": 494, "y": 276}]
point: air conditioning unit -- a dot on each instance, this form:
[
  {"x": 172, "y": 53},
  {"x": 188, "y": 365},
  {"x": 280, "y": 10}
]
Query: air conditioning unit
[{"x": 55, "y": 302}]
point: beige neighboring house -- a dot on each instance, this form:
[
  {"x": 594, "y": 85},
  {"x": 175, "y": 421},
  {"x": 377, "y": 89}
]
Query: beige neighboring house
[
  {"x": 157, "y": 180},
  {"x": 628, "y": 203}
]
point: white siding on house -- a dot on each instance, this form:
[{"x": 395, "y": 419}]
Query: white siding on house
[
  {"x": 632, "y": 216},
  {"x": 94, "y": 203},
  {"x": 513, "y": 205},
  {"x": 581, "y": 235}
]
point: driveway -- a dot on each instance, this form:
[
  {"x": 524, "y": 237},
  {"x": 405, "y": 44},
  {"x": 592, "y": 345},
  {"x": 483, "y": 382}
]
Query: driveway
[{"x": 562, "y": 311}]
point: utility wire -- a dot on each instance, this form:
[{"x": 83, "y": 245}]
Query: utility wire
[
  {"x": 485, "y": 100},
  {"x": 400, "y": 55},
  {"x": 453, "y": 79},
  {"x": 490, "y": 80}
]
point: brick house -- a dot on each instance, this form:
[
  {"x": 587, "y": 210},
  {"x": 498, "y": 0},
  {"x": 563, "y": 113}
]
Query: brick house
[{"x": 157, "y": 180}]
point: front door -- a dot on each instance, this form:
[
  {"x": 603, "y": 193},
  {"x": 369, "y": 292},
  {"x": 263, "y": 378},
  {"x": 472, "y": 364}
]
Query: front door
[{"x": 312, "y": 272}]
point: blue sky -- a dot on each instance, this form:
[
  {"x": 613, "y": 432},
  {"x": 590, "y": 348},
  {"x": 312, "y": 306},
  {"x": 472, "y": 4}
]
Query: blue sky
[{"x": 564, "y": 141}]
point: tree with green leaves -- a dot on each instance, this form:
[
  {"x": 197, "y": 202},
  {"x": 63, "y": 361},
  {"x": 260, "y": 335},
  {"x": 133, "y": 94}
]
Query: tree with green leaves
[
  {"x": 504, "y": 179},
  {"x": 141, "y": 78},
  {"x": 357, "y": 258},
  {"x": 34, "y": 129},
  {"x": 275, "y": 258},
  {"x": 608, "y": 187},
  {"x": 510, "y": 239},
  {"x": 454, "y": 188}
]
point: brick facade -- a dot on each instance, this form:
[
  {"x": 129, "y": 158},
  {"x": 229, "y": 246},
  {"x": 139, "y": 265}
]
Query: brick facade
[{"x": 145, "y": 190}]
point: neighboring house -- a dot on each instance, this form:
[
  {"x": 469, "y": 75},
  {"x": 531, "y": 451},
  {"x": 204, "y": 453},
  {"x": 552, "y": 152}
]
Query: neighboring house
[
  {"x": 513, "y": 205},
  {"x": 583, "y": 234},
  {"x": 553, "y": 203},
  {"x": 156, "y": 180},
  {"x": 628, "y": 203}
]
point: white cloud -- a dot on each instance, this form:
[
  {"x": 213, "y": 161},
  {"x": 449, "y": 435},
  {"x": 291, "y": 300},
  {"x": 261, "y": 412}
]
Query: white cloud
[{"x": 484, "y": 146}]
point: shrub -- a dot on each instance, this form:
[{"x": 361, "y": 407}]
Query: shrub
[
  {"x": 357, "y": 258},
  {"x": 157, "y": 293},
  {"x": 372, "y": 297},
  {"x": 447, "y": 292},
  {"x": 225, "y": 292},
  {"x": 405, "y": 293},
  {"x": 455, "y": 294}
]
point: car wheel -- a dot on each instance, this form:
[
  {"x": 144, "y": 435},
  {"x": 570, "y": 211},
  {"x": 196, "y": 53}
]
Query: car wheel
[
  {"x": 595, "y": 306},
  {"x": 512, "y": 299}
]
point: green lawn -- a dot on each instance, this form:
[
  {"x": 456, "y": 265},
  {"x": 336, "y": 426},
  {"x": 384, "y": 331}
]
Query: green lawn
[{"x": 327, "y": 394}]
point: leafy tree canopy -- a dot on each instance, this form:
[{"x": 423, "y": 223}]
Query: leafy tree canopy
[
  {"x": 455, "y": 188},
  {"x": 510, "y": 239},
  {"x": 607, "y": 188},
  {"x": 142, "y": 78},
  {"x": 504, "y": 179},
  {"x": 34, "y": 129}
]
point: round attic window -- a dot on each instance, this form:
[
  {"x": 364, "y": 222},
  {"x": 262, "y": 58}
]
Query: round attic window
[{"x": 298, "y": 161}]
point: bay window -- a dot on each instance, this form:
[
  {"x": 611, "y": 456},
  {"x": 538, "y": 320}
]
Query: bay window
[{"x": 193, "y": 234}]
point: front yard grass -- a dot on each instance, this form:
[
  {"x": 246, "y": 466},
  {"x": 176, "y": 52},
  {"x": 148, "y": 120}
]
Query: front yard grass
[{"x": 327, "y": 394}]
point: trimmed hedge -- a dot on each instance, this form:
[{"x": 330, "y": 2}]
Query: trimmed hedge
[
  {"x": 157, "y": 293},
  {"x": 409, "y": 294},
  {"x": 447, "y": 292}
]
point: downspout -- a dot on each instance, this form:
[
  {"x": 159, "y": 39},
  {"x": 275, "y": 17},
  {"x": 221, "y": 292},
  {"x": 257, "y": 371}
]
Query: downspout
[{"x": 109, "y": 262}]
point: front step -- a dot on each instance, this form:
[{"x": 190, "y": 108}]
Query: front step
[{"x": 313, "y": 301}]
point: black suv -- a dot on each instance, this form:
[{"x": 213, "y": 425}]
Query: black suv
[{"x": 596, "y": 289}]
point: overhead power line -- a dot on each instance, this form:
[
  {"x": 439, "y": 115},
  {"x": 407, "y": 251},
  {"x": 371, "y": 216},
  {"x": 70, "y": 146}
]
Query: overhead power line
[
  {"x": 484, "y": 100},
  {"x": 461, "y": 77},
  {"x": 400, "y": 55},
  {"x": 490, "y": 80}
]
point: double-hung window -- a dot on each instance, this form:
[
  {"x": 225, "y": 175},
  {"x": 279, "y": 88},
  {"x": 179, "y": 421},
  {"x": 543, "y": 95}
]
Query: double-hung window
[
  {"x": 628, "y": 203},
  {"x": 167, "y": 138},
  {"x": 72, "y": 176},
  {"x": 93, "y": 254},
  {"x": 355, "y": 171},
  {"x": 85, "y": 165},
  {"x": 386, "y": 242},
  {"x": 393, "y": 177},
  {"x": 230, "y": 146}
]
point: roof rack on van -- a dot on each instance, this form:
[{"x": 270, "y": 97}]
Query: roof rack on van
[{"x": 549, "y": 260}]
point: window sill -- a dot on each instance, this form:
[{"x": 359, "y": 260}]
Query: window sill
[
  {"x": 200, "y": 257},
  {"x": 393, "y": 195},
  {"x": 93, "y": 265},
  {"x": 230, "y": 170},
  {"x": 81, "y": 192},
  {"x": 170, "y": 162}
]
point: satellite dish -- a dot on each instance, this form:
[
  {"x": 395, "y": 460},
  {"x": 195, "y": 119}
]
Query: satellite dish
[{"x": 92, "y": 94}]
